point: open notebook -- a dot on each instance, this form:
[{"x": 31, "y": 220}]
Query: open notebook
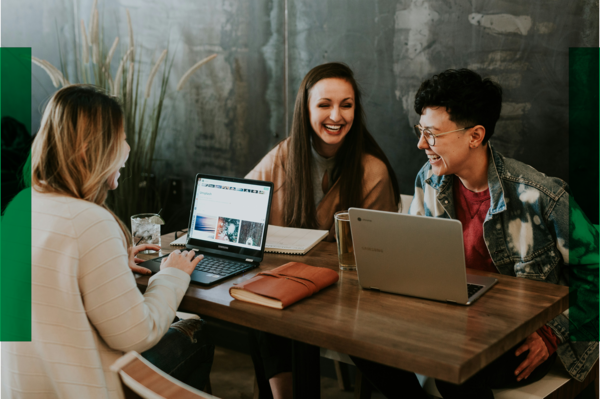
[{"x": 283, "y": 240}]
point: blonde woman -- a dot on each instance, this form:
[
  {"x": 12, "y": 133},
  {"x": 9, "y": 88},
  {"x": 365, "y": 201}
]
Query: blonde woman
[{"x": 86, "y": 308}]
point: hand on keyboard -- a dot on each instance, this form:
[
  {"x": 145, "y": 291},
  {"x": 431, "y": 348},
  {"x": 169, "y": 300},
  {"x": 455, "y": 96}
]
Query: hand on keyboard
[
  {"x": 185, "y": 261},
  {"x": 221, "y": 267}
]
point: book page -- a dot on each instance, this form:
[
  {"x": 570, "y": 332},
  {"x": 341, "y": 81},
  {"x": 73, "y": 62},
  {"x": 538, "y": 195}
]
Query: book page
[
  {"x": 292, "y": 238},
  {"x": 180, "y": 241}
]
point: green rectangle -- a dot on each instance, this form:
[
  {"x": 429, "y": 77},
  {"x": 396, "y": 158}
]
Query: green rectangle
[
  {"x": 584, "y": 180},
  {"x": 15, "y": 228}
]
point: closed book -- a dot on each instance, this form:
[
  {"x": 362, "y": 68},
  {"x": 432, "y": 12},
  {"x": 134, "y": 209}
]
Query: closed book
[{"x": 284, "y": 285}]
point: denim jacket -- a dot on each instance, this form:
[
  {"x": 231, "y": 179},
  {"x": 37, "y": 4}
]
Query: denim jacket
[{"x": 526, "y": 231}]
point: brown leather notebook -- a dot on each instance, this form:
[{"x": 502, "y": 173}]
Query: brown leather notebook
[{"x": 284, "y": 285}]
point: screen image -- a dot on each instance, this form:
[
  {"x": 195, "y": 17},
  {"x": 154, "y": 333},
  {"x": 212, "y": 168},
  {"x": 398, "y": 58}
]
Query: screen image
[
  {"x": 205, "y": 226},
  {"x": 230, "y": 212},
  {"x": 228, "y": 230},
  {"x": 251, "y": 233}
]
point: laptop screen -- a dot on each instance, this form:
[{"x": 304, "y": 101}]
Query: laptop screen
[{"x": 230, "y": 214}]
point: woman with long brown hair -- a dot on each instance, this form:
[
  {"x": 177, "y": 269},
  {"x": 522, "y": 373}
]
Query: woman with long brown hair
[
  {"x": 86, "y": 307},
  {"x": 329, "y": 163}
]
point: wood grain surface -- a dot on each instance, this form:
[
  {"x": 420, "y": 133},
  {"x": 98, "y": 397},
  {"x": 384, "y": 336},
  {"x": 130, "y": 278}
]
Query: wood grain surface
[
  {"x": 445, "y": 341},
  {"x": 158, "y": 382}
]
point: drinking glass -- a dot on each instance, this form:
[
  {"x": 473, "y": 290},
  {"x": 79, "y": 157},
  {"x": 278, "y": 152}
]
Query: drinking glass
[
  {"x": 343, "y": 237},
  {"x": 145, "y": 231}
]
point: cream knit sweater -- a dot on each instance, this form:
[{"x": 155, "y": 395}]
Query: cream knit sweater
[{"x": 86, "y": 307}]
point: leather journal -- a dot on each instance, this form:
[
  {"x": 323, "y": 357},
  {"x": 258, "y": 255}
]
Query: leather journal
[{"x": 284, "y": 285}]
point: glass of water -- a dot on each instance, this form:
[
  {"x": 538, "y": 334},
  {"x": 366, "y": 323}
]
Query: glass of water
[
  {"x": 145, "y": 230},
  {"x": 343, "y": 237}
]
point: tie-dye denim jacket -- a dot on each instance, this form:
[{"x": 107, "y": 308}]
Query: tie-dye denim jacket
[{"x": 526, "y": 232}]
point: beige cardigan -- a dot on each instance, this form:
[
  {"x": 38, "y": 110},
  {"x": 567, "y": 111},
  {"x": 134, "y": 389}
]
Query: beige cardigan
[
  {"x": 86, "y": 307},
  {"x": 378, "y": 192}
]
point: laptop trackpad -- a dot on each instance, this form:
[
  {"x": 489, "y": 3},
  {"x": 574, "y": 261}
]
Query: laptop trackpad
[{"x": 153, "y": 264}]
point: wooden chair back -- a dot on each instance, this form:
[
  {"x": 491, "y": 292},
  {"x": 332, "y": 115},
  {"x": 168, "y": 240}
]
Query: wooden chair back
[{"x": 141, "y": 379}]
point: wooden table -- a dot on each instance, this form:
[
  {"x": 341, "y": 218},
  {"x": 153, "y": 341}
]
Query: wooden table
[{"x": 444, "y": 341}]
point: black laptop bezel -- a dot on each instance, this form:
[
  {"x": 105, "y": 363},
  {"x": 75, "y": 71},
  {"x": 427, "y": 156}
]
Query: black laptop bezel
[{"x": 241, "y": 253}]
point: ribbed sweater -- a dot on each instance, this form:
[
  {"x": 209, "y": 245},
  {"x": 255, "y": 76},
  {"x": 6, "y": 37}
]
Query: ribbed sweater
[
  {"x": 86, "y": 308},
  {"x": 378, "y": 191}
]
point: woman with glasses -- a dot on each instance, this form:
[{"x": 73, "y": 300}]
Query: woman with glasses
[
  {"x": 329, "y": 163},
  {"x": 86, "y": 307}
]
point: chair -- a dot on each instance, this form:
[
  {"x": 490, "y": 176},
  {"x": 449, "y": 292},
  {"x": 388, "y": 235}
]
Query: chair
[
  {"x": 557, "y": 384},
  {"x": 405, "y": 201},
  {"x": 362, "y": 388},
  {"x": 141, "y": 379}
]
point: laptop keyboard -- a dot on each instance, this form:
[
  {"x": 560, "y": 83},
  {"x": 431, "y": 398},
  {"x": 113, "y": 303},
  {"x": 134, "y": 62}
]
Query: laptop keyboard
[
  {"x": 217, "y": 266},
  {"x": 220, "y": 267},
  {"x": 472, "y": 289}
]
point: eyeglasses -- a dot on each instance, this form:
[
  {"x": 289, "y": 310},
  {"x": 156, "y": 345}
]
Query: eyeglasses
[{"x": 430, "y": 137}]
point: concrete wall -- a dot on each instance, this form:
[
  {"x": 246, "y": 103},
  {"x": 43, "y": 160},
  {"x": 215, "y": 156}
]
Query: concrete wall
[
  {"x": 393, "y": 45},
  {"x": 234, "y": 109}
]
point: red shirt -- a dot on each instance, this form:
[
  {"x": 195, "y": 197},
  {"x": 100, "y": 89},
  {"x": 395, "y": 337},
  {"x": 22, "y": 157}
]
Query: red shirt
[{"x": 471, "y": 209}]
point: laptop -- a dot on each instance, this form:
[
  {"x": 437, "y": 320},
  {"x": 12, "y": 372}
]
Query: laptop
[
  {"x": 414, "y": 255},
  {"x": 228, "y": 225}
]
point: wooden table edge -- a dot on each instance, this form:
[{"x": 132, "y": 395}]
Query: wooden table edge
[{"x": 449, "y": 372}]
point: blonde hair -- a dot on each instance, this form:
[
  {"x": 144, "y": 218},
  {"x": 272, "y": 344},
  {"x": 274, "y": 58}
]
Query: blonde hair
[{"x": 78, "y": 146}]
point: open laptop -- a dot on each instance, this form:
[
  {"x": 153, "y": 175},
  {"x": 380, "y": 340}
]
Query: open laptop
[
  {"x": 414, "y": 255},
  {"x": 228, "y": 225}
]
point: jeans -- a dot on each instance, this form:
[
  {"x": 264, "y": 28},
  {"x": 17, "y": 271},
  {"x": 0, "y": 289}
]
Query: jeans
[
  {"x": 394, "y": 383},
  {"x": 184, "y": 353}
]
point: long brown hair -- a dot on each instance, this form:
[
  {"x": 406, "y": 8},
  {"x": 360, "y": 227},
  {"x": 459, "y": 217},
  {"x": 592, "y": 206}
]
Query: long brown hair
[
  {"x": 79, "y": 146},
  {"x": 300, "y": 209}
]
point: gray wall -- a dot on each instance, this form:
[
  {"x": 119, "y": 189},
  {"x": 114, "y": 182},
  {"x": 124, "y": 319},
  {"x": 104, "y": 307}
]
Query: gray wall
[
  {"x": 233, "y": 111},
  {"x": 393, "y": 45}
]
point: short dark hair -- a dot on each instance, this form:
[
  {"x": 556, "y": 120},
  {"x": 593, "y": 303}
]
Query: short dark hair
[{"x": 469, "y": 99}]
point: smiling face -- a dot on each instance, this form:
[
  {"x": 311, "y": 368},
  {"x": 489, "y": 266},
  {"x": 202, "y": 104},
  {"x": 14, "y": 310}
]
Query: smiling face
[
  {"x": 113, "y": 180},
  {"x": 450, "y": 154},
  {"x": 331, "y": 107}
]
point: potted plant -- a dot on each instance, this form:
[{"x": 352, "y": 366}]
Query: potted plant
[{"x": 142, "y": 112}]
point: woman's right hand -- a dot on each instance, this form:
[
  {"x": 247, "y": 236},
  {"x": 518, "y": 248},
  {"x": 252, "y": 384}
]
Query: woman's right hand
[{"x": 182, "y": 261}]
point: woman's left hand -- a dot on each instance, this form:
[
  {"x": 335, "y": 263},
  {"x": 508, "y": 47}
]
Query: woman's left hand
[{"x": 133, "y": 260}]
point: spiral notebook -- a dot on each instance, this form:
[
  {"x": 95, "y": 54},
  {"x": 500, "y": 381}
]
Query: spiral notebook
[
  {"x": 180, "y": 242},
  {"x": 283, "y": 240},
  {"x": 293, "y": 241}
]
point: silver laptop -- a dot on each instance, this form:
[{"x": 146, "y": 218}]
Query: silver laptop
[{"x": 414, "y": 255}]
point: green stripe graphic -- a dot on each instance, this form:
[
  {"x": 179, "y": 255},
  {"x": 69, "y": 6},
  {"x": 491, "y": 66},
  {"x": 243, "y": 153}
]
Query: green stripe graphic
[
  {"x": 15, "y": 236},
  {"x": 584, "y": 181}
]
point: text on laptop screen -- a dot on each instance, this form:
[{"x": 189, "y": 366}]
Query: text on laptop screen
[{"x": 230, "y": 212}]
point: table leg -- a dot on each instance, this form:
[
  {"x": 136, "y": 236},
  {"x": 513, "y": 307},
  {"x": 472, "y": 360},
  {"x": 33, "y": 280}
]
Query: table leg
[{"x": 306, "y": 371}]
